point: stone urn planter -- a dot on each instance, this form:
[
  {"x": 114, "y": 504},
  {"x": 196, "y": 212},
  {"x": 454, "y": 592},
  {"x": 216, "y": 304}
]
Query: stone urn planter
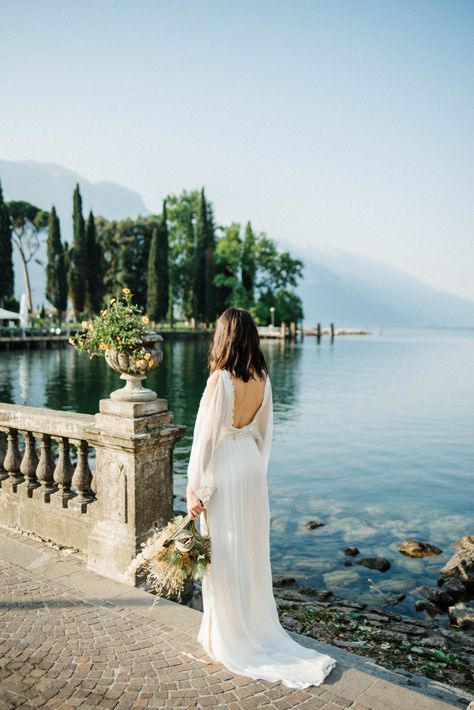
[{"x": 133, "y": 391}]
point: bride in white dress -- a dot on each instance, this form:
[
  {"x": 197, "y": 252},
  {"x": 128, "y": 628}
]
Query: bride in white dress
[{"x": 227, "y": 476}]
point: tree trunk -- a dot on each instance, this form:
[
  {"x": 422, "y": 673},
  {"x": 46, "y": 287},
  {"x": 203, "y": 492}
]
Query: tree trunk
[{"x": 26, "y": 277}]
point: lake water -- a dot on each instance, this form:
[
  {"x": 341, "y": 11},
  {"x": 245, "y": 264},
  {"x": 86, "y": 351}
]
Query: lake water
[{"x": 374, "y": 435}]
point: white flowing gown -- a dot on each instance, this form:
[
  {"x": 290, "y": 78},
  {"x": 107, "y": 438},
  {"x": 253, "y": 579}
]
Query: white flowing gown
[{"x": 240, "y": 627}]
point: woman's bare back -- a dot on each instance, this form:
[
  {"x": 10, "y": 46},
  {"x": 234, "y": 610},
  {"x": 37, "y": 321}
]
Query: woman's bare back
[{"x": 248, "y": 397}]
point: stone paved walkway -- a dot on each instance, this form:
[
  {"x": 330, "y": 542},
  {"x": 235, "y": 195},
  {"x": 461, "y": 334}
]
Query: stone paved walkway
[{"x": 69, "y": 638}]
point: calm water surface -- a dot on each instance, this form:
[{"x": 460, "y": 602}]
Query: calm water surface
[{"x": 373, "y": 436}]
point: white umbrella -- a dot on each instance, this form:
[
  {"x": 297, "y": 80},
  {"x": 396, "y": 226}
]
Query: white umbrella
[
  {"x": 24, "y": 313},
  {"x": 8, "y": 315}
]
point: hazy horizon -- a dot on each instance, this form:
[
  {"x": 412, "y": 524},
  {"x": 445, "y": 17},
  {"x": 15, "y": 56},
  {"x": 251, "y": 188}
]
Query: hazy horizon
[{"x": 342, "y": 125}]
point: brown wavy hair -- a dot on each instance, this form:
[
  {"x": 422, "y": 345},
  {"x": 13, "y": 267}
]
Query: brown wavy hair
[{"x": 236, "y": 346}]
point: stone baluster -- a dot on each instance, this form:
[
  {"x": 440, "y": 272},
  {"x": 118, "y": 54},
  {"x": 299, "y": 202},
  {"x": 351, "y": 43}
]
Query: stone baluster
[
  {"x": 64, "y": 469},
  {"x": 29, "y": 462},
  {"x": 82, "y": 477},
  {"x": 12, "y": 460},
  {"x": 3, "y": 451},
  {"x": 45, "y": 468}
]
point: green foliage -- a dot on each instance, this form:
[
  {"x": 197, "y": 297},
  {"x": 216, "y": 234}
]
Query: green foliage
[
  {"x": 134, "y": 239},
  {"x": 95, "y": 269},
  {"x": 200, "y": 261},
  {"x": 249, "y": 264},
  {"x": 7, "y": 280},
  {"x": 181, "y": 213},
  {"x": 120, "y": 327},
  {"x": 177, "y": 260},
  {"x": 158, "y": 272},
  {"x": 77, "y": 275},
  {"x": 56, "y": 275},
  {"x": 228, "y": 258}
]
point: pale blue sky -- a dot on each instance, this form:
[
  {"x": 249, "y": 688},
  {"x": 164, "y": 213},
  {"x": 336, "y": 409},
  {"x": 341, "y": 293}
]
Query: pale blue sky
[{"x": 342, "y": 124}]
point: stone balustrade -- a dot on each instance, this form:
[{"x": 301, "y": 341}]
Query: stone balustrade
[{"x": 97, "y": 483}]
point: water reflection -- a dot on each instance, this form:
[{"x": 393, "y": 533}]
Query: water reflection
[{"x": 373, "y": 436}]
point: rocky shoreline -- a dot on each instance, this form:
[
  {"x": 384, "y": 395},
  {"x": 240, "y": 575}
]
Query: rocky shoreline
[
  {"x": 420, "y": 646},
  {"x": 396, "y": 641}
]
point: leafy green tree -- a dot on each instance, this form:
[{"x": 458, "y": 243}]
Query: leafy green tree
[
  {"x": 77, "y": 276},
  {"x": 277, "y": 274},
  {"x": 181, "y": 219},
  {"x": 134, "y": 238},
  {"x": 95, "y": 269},
  {"x": 28, "y": 225},
  {"x": 56, "y": 274},
  {"x": 107, "y": 237},
  {"x": 228, "y": 257},
  {"x": 7, "y": 280}
]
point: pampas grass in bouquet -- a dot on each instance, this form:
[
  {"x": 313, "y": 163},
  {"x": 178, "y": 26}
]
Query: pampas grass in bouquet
[{"x": 171, "y": 555}]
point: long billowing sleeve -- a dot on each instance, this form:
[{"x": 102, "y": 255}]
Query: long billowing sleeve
[
  {"x": 208, "y": 424},
  {"x": 264, "y": 425}
]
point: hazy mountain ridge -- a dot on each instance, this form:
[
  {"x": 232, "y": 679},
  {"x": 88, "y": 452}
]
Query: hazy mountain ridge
[
  {"x": 45, "y": 184},
  {"x": 339, "y": 286},
  {"x": 353, "y": 290}
]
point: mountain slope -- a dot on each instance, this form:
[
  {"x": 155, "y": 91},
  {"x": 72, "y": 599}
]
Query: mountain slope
[
  {"x": 352, "y": 290},
  {"x": 44, "y": 184}
]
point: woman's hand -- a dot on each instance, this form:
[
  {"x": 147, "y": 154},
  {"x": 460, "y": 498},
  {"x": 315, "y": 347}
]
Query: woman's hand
[{"x": 194, "y": 503}]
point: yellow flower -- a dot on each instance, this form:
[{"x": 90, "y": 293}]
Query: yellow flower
[
  {"x": 103, "y": 346},
  {"x": 70, "y": 340},
  {"x": 145, "y": 319},
  {"x": 126, "y": 290},
  {"x": 112, "y": 300},
  {"x": 104, "y": 312},
  {"x": 85, "y": 324},
  {"x": 147, "y": 356},
  {"x": 151, "y": 363},
  {"x": 140, "y": 363}
]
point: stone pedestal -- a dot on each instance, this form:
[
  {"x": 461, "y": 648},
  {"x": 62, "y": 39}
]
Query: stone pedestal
[{"x": 134, "y": 480}]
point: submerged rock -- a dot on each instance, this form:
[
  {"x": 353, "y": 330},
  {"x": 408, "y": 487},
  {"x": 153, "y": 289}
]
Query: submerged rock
[
  {"x": 378, "y": 563},
  {"x": 417, "y": 548},
  {"x": 351, "y": 551},
  {"x": 313, "y": 524}
]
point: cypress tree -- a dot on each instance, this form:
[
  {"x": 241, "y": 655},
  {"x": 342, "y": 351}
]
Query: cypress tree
[
  {"x": 152, "y": 305},
  {"x": 7, "y": 280},
  {"x": 95, "y": 271},
  {"x": 200, "y": 261},
  {"x": 249, "y": 264},
  {"x": 77, "y": 257},
  {"x": 158, "y": 271},
  {"x": 210, "y": 288},
  {"x": 163, "y": 265},
  {"x": 204, "y": 264},
  {"x": 56, "y": 274}
]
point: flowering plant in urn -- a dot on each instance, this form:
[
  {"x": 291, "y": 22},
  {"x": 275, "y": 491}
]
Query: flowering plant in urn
[{"x": 120, "y": 335}]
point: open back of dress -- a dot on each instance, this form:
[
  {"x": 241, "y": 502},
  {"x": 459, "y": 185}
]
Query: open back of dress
[{"x": 228, "y": 470}]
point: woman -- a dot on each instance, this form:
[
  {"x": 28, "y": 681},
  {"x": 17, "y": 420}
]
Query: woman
[{"x": 227, "y": 483}]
